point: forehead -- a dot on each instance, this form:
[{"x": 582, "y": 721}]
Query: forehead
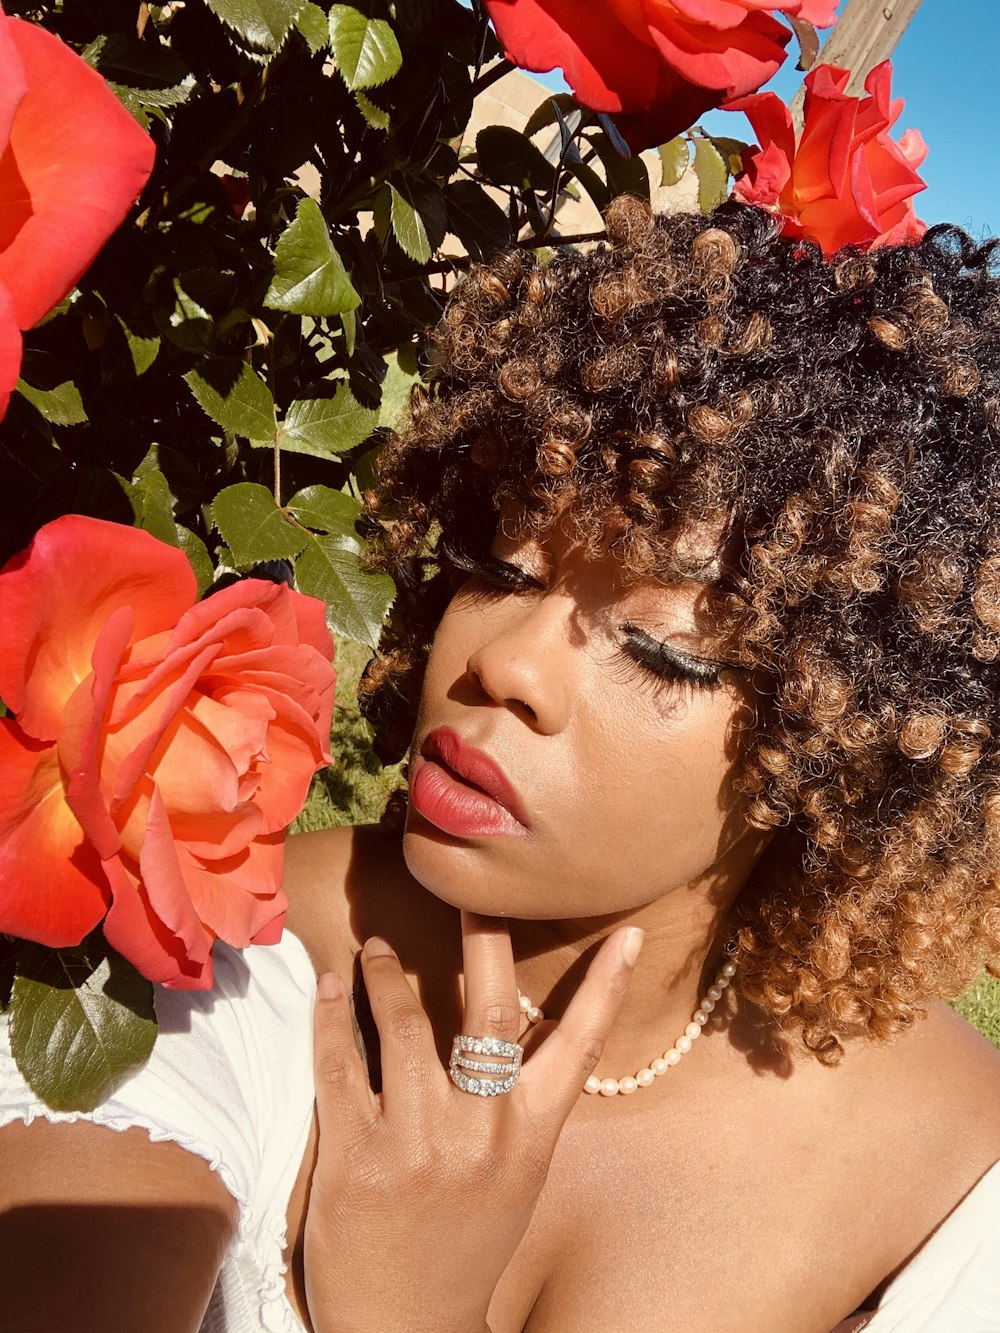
[{"x": 690, "y": 551}]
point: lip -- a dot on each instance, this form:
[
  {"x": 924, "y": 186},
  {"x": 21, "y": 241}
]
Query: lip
[{"x": 462, "y": 791}]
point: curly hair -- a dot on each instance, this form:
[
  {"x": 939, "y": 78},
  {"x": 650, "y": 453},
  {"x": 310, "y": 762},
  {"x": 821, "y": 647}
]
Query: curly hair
[{"x": 841, "y": 420}]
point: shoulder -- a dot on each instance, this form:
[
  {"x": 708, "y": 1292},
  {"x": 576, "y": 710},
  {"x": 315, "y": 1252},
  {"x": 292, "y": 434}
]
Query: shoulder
[
  {"x": 931, "y": 1102},
  {"x": 141, "y": 1227}
]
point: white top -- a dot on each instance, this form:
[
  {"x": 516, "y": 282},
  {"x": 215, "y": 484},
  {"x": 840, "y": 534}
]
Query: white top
[{"x": 230, "y": 1079}]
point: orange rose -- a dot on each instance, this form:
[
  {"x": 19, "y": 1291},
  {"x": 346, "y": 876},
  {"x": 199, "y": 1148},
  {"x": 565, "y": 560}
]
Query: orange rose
[
  {"x": 656, "y": 65},
  {"x": 162, "y": 746},
  {"x": 845, "y": 182},
  {"x": 72, "y": 162}
]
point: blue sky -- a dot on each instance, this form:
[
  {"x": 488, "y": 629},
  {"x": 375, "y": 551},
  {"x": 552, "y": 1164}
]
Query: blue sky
[{"x": 946, "y": 67}]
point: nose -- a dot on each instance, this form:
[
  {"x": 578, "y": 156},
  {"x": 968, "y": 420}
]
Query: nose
[{"x": 525, "y": 666}]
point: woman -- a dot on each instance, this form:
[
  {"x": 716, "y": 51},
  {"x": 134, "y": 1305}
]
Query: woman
[{"x": 715, "y": 611}]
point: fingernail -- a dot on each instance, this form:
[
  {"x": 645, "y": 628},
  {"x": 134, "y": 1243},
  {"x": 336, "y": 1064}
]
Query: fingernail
[
  {"x": 330, "y": 986},
  {"x": 377, "y": 948},
  {"x": 631, "y": 944}
]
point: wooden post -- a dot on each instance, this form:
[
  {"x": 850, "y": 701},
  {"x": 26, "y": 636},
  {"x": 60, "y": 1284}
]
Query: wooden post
[{"x": 866, "y": 33}]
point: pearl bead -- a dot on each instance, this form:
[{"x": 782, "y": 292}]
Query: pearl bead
[{"x": 611, "y": 1087}]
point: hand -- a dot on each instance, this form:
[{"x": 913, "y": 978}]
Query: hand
[{"x": 421, "y": 1194}]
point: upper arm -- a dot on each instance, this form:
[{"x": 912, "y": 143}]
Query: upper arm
[{"x": 102, "y": 1230}]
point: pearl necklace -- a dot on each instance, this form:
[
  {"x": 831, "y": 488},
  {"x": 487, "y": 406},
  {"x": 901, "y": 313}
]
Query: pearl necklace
[{"x": 610, "y": 1087}]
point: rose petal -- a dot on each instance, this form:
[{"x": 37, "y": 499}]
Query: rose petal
[
  {"x": 82, "y": 732},
  {"x": 74, "y": 163},
  {"x": 53, "y": 889},
  {"x": 56, "y": 596},
  {"x": 239, "y": 897},
  {"x": 734, "y": 61},
  {"x": 136, "y": 931},
  {"x": 13, "y": 82},
  {"x": 10, "y": 349}
]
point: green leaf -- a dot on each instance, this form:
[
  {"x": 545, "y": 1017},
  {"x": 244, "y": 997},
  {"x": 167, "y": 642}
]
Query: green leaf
[
  {"x": 396, "y": 389},
  {"x": 365, "y": 49},
  {"x": 479, "y": 223},
  {"x": 62, "y": 405},
  {"x": 253, "y": 527},
  {"x": 731, "y": 150},
  {"x": 674, "y": 157},
  {"x": 326, "y": 427},
  {"x": 309, "y": 275},
  {"x": 545, "y": 114},
  {"x": 327, "y": 510},
  {"x": 261, "y": 23},
  {"x": 356, "y": 602},
  {"x": 188, "y": 324},
  {"x": 373, "y": 114},
  {"x": 713, "y": 178},
  {"x": 506, "y": 157},
  {"x": 198, "y": 558},
  {"x": 591, "y": 182},
  {"x": 625, "y": 175},
  {"x": 409, "y": 228},
  {"x": 143, "y": 351},
  {"x": 141, "y": 73},
  {"x": 153, "y": 505},
  {"x": 235, "y": 397},
  {"x": 81, "y": 1021},
  {"x": 312, "y": 24}
]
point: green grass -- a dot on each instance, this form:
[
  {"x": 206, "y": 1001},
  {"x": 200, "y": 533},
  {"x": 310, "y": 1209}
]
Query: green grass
[
  {"x": 981, "y": 1006},
  {"x": 356, "y": 788}
]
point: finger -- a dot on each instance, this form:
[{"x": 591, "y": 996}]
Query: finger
[
  {"x": 344, "y": 1101},
  {"x": 555, "y": 1075},
  {"x": 491, "y": 999},
  {"x": 411, "y": 1070}
]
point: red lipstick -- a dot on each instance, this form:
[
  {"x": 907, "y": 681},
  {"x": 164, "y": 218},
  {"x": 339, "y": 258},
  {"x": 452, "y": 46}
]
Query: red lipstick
[{"x": 461, "y": 791}]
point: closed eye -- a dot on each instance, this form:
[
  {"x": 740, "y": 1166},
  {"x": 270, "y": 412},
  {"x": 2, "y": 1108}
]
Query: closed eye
[
  {"x": 496, "y": 573},
  {"x": 665, "y": 662}
]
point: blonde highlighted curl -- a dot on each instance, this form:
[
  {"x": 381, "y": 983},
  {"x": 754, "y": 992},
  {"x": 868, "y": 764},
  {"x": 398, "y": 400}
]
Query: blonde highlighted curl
[{"x": 841, "y": 420}]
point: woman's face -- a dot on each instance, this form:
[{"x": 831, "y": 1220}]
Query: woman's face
[{"x": 576, "y": 742}]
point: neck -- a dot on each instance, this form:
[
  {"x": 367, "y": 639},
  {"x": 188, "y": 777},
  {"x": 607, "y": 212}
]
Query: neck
[{"x": 682, "y": 952}]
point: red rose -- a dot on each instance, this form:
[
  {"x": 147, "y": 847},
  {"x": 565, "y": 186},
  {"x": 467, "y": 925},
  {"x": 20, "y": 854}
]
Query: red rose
[
  {"x": 162, "y": 747},
  {"x": 72, "y": 161},
  {"x": 657, "y": 65},
  {"x": 845, "y": 182}
]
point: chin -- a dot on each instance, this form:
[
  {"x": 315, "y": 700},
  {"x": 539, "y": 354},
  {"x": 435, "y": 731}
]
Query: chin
[{"x": 461, "y": 875}]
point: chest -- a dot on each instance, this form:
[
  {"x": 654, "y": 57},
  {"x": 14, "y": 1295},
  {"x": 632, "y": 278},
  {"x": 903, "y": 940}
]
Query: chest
[{"x": 698, "y": 1232}]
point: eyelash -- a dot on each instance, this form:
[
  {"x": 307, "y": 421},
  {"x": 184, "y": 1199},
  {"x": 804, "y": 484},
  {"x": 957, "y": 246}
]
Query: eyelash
[
  {"x": 666, "y": 664},
  {"x": 496, "y": 574},
  {"x": 640, "y": 650}
]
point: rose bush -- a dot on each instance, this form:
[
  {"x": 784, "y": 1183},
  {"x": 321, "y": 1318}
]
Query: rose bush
[
  {"x": 162, "y": 746},
  {"x": 72, "y": 161},
  {"x": 656, "y": 65},
  {"x": 844, "y": 182}
]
